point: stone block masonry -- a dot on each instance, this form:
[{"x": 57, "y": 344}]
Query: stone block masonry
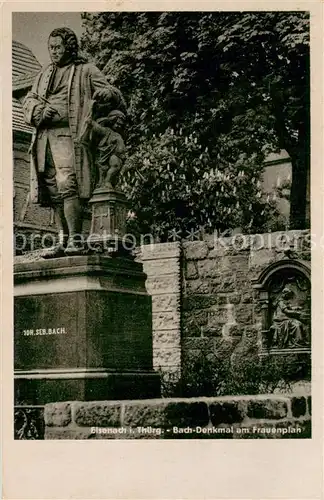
[
  {"x": 30, "y": 221},
  {"x": 233, "y": 417},
  {"x": 218, "y": 303},
  {"x": 161, "y": 263},
  {"x": 202, "y": 293}
]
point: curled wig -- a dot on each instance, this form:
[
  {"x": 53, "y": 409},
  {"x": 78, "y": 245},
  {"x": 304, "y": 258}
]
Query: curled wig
[{"x": 70, "y": 43}]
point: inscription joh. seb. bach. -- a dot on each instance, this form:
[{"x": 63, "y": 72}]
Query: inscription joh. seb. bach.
[{"x": 44, "y": 331}]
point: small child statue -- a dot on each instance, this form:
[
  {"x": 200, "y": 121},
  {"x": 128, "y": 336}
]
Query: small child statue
[
  {"x": 108, "y": 145},
  {"x": 110, "y": 148}
]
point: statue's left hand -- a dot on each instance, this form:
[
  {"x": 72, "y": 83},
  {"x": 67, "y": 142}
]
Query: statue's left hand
[
  {"x": 49, "y": 113},
  {"x": 102, "y": 95}
]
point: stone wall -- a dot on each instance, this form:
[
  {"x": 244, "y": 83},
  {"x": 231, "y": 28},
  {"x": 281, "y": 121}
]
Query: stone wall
[
  {"x": 161, "y": 263},
  {"x": 202, "y": 293},
  {"x": 29, "y": 219},
  {"x": 219, "y": 310},
  {"x": 263, "y": 416}
]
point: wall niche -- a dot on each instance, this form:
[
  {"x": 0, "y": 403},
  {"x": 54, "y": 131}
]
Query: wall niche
[{"x": 283, "y": 292}]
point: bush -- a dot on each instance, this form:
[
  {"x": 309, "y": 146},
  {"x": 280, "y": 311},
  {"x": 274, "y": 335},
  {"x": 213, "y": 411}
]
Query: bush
[
  {"x": 209, "y": 375},
  {"x": 29, "y": 423}
]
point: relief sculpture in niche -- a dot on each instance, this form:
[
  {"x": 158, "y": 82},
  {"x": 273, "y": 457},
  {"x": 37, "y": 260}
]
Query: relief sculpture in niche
[{"x": 289, "y": 325}]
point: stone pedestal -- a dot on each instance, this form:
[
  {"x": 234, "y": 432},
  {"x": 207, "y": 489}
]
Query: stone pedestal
[
  {"x": 83, "y": 331},
  {"x": 108, "y": 225}
]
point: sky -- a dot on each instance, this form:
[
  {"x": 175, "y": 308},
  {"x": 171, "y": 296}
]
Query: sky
[{"x": 33, "y": 29}]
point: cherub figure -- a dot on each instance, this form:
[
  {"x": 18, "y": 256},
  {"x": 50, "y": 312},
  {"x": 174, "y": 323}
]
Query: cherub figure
[
  {"x": 110, "y": 148},
  {"x": 104, "y": 134}
]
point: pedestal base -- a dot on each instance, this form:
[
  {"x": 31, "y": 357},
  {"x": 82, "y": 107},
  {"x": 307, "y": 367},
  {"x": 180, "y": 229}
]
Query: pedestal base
[
  {"x": 83, "y": 330},
  {"x": 45, "y": 386}
]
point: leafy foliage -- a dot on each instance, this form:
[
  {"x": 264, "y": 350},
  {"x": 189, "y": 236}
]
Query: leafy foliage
[
  {"x": 174, "y": 184},
  {"x": 207, "y": 374},
  {"x": 210, "y": 95},
  {"x": 29, "y": 423}
]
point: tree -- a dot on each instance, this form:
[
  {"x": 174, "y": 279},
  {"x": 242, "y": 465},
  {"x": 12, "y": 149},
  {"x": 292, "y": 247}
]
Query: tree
[
  {"x": 179, "y": 192},
  {"x": 210, "y": 95},
  {"x": 271, "y": 52}
]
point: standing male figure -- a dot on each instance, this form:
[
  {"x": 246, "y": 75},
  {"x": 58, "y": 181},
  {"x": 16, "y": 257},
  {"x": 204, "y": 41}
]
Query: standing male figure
[{"x": 62, "y": 167}]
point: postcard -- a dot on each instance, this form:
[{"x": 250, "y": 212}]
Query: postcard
[{"x": 162, "y": 250}]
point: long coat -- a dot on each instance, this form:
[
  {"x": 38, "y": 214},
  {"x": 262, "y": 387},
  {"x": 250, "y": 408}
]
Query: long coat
[{"x": 84, "y": 80}]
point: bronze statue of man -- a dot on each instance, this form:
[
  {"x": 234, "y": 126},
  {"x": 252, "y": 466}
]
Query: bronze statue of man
[{"x": 62, "y": 166}]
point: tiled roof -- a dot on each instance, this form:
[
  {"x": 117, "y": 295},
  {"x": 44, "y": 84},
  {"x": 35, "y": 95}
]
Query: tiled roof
[
  {"x": 23, "y": 82},
  {"x": 18, "y": 121},
  {"x": 24, "y": 69},
  {"x": 23, "y": 61}
]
